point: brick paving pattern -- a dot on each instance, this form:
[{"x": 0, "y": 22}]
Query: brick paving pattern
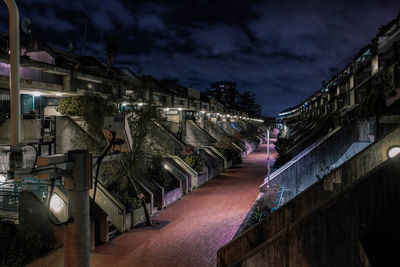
[{"x": 199, "y": 223}]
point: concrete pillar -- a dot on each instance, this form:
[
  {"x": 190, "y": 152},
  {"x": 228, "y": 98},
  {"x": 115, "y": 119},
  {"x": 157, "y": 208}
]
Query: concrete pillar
[
  {"x": 67, "y": 83},
  {"x": 352, "y": 98}
]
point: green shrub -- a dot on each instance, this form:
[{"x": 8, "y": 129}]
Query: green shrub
[
  {"x": 72, "y": 106},
  {"x": 258, "y": 214},
  {"x": 195, "y": 162},
  {"x": 18, "y": 245}
]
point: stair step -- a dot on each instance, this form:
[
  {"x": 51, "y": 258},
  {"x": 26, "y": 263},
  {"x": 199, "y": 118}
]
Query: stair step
[{"x": 112, "y": 230}]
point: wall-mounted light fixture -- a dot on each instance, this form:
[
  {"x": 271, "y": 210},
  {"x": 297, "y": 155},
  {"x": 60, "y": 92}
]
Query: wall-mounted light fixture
[
  {"x": 36, "y": 93},
  {"x": 393, "y": 151},
  {"x": 56, "y": 203},
  {"x": 3, "y": 177}
]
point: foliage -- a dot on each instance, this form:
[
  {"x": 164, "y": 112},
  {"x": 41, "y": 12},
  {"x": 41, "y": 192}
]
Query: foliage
[
  {"x": 258, "y": 214},
  {"x": 247, "y": 102},
  {"x": 112, "y": 46},
  {"x": 195, "y": 162},
  {"x": 282, "y": 146},
  {"x": 118, "y": 175},
  {"x": 157, "y": 172},
  {"x": 192, "y": 159},
  {"x": 238, "y": 135},
  {"x": 224, "y": 145},
  {"x": 92, "y": 108},
  {"x": 71, "y": 106},
  {"x": 121, "y": 175},
  {"x": 19, "y": 245},
  {"x": 187, "y": 150}
]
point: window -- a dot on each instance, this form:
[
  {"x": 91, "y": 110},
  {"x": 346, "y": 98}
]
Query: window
[
  {"x": 161, "y": 98},
  {"x": 179, "y": 102}
]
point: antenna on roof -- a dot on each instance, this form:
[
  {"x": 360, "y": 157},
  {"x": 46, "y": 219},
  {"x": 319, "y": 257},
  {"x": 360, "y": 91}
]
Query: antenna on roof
[
  {"x": 26, "y": 26},
  {"x": 85, "y": 35}
]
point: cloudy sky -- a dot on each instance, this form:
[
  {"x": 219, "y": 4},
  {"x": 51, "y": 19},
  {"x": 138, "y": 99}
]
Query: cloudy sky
[{"x": 280, "y": 50}]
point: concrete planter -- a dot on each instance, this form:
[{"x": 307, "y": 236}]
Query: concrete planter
[
  {"x": 128, "y": 221},
  {"x": 202, "y": 177},
  {"x": 229, "y": 163},
  {"x": 172, "y": 196},
  {"x": 138, "y": 215}
]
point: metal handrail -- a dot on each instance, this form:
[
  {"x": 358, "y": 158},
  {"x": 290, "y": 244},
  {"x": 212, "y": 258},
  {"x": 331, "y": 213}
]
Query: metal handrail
[{"x": 280, "y": 200}]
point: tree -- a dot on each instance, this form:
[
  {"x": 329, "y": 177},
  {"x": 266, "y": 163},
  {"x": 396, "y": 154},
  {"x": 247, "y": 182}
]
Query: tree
[
  {"x": 124, "y": 172},
  {"x": 112, "y": 46},
  {"x": 247, "y": 102}
]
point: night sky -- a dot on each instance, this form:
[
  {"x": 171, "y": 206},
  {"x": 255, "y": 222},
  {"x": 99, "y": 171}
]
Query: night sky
[{"x": 280, "y": 50}]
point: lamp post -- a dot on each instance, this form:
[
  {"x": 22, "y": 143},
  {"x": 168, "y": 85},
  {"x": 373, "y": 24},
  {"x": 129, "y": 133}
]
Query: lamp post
[
  {"x": 15, "y": 153},
  {"x": 268, "y": 168}
]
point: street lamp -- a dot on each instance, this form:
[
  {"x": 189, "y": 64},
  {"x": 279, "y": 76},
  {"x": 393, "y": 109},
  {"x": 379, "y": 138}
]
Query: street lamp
[
  {"x": 15, "y": 152},
  {"x": 268, "y": 168}
]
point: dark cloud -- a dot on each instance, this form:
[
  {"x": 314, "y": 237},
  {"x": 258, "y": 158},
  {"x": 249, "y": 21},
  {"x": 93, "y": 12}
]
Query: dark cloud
[{"x": 281, "y": 50}]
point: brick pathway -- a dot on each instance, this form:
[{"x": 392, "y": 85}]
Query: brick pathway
[{"x": 199, "y": 224}]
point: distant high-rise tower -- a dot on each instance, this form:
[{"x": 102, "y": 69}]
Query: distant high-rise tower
[{"x": 225, "y": 92}]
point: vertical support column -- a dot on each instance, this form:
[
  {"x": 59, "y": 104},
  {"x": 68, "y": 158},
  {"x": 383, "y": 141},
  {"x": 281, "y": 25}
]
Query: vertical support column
[{"x": 77, "y": 233}]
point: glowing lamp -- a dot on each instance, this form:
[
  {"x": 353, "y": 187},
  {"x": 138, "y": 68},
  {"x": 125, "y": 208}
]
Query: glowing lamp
[
  {"x": 56, "y": 203},
  {"x": 393, "y": 151},
  {"x": 3, "y": 177}
]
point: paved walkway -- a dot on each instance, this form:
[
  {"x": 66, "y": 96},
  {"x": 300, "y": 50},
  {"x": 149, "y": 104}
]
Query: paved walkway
[{"x": 199, "y": 224}]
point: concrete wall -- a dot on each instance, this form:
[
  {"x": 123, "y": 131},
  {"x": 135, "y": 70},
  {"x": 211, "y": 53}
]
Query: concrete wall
[
  {"x": 162, "y": 140},
  {"x": 27, "y": 161},
  {"x": 229, "y": 129},
  {"x": 172, "y": 196},
  {"x": 194, "y": 135},
  {"x": 138, "y": 215},
  {"x": 213, "y": 164},
  {"x": 309, "y": 200},
  {"x": 303, "y": 172},
  {"x": 215, "y": 130},
  {"x": 357, "y": 227},
  {"x": 30, "y": 131},
  {"x": 69, "y": 135}
]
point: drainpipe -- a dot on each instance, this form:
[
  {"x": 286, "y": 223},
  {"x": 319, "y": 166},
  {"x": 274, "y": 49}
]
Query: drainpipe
[{"x": 15, "y": 154}]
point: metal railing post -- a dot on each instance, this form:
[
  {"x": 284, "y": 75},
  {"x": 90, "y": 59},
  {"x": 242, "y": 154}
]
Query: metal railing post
[
  {"x": 77, "y": 232},
  {"x": 15, "y": 154}
]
